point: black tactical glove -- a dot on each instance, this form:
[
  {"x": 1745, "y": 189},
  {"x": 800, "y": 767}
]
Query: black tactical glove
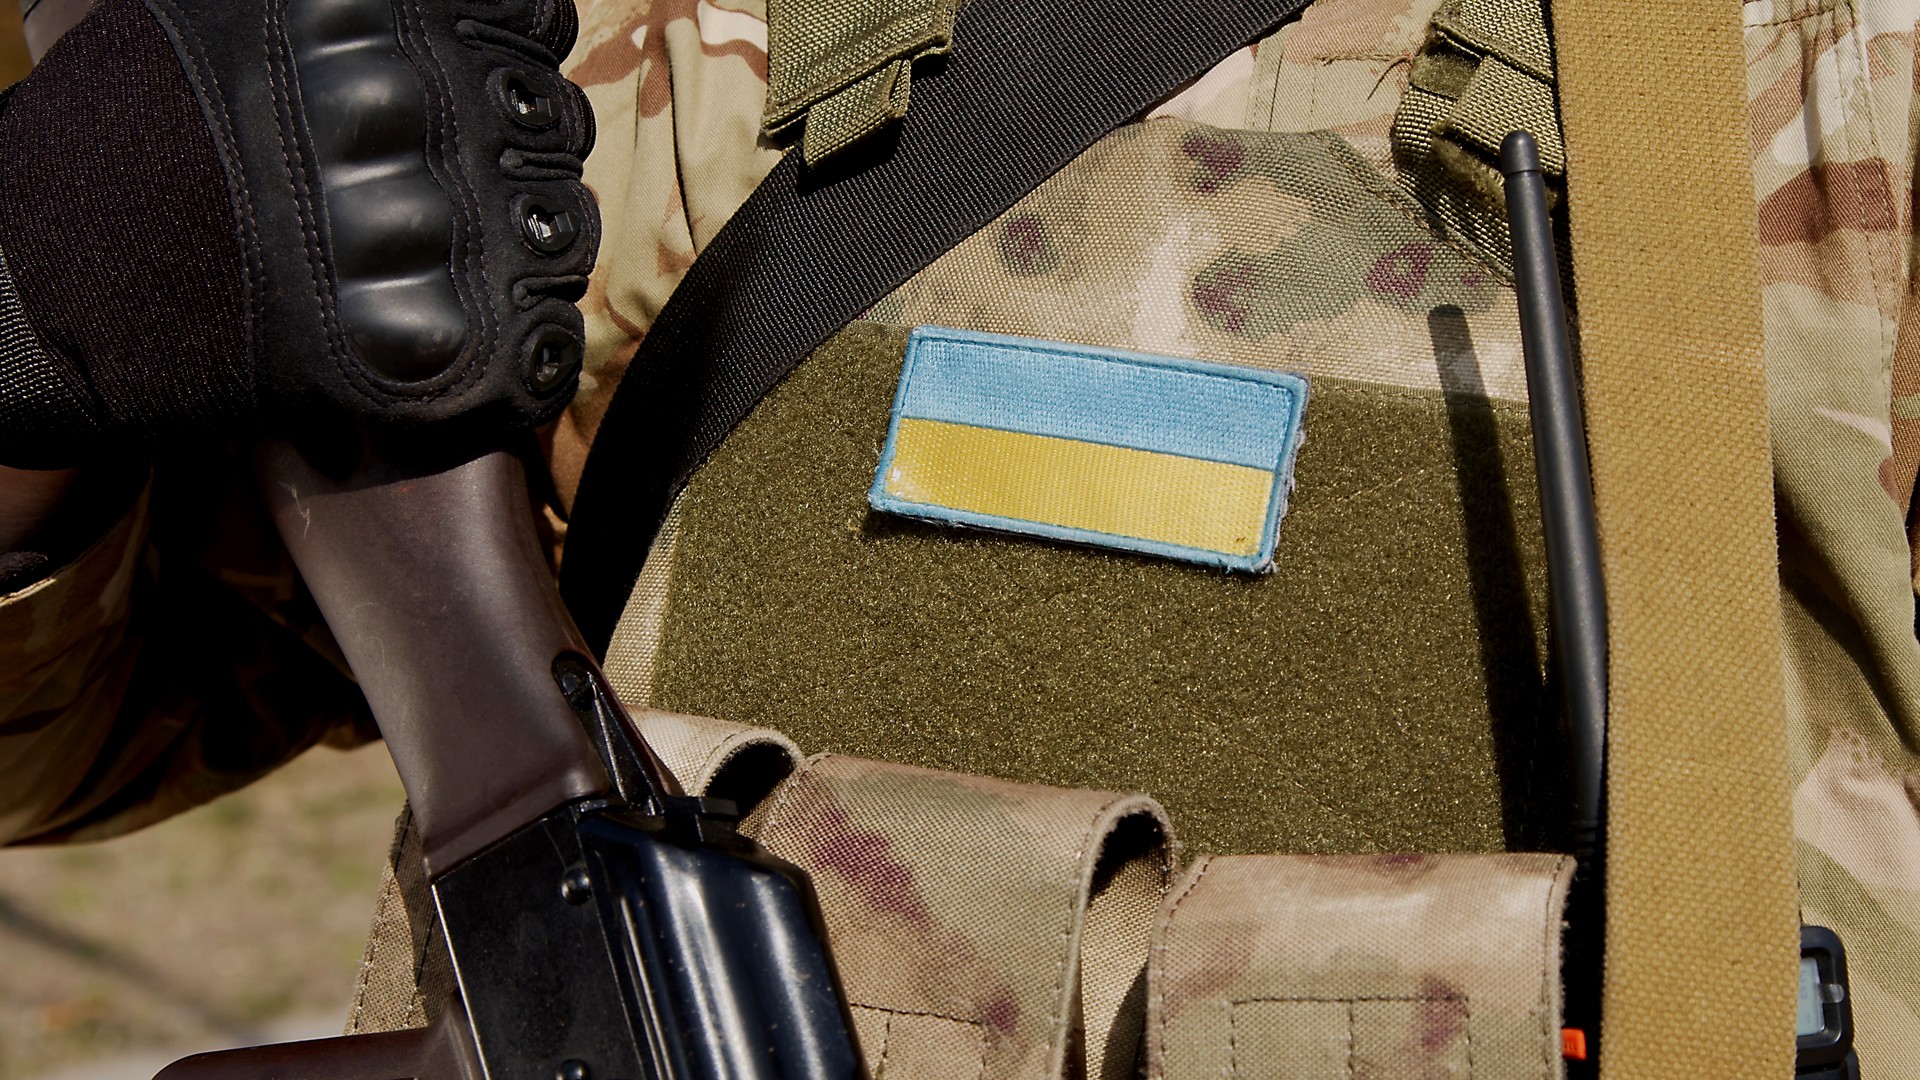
[{"x": 296, "y": 216}]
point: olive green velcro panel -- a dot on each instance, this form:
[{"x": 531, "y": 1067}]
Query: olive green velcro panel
[
  {"x": 845, "y": 67},
  {"x": 1379, "y": 692},
  {"x": 1486, "y": 69}
]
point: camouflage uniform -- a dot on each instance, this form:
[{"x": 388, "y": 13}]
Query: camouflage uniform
[{"x": 1267, "y": 215}]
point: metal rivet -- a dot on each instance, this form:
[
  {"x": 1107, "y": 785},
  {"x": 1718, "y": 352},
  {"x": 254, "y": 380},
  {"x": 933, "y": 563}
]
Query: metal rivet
[
  {"x": 573, "y": 1069},
  {"x": 555, "y": 357},
  {"x": 572, "y": 680},
  {"x": 576, "y": 888},
  {"x": 525, "y": 104},
  {"x": 548, "y": 229}
]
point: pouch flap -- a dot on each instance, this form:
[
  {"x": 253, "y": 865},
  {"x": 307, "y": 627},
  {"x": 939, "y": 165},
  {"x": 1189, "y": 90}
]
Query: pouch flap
[{"x": 1383, "y": 966}]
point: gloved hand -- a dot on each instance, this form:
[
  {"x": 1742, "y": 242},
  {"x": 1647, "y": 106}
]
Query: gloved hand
[{"x": 292, "y": 217}]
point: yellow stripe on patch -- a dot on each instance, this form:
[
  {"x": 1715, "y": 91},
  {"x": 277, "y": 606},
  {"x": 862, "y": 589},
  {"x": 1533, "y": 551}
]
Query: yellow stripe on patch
[{"x": 1081, "y": 485}]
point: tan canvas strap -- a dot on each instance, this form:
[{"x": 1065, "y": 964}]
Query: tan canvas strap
[
  {"x": 1702, "y": 914},
  {"x": 982, "y": 928},
  {"x": 1365, "y": 965}
]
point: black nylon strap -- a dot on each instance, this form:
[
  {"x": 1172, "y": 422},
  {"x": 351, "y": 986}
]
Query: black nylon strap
[{"x": 1029, "y": 85}]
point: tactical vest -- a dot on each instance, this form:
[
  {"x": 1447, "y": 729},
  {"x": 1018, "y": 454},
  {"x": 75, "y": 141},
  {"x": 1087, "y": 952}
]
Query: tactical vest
[{"x": 945, "y": 724}]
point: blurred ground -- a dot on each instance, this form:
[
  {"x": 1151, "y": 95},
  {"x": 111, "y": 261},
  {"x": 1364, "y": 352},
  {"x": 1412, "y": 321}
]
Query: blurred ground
[{"x": 240, "y": 922}]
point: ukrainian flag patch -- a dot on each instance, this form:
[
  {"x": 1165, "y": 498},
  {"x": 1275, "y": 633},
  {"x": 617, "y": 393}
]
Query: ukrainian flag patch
[{"x": 1152, "y": 454}]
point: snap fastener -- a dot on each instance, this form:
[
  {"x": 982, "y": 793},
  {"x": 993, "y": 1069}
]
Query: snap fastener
[
  {"x": 549, "y": 229},
  {"x": 524, "y": 102},
  {"x": 553, "y": 360}
]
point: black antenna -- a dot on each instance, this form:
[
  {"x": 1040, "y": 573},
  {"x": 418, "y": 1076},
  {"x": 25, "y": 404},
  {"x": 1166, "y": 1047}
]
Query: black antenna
[{"x": 1578, "y": 592}]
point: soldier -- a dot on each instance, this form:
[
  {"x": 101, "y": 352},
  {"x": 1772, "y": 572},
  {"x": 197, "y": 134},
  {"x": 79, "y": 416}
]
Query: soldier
[{"x": 1322, "y": 201}]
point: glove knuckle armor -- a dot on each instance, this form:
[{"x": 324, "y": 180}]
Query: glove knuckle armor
[{"x": 421, "y": 277}]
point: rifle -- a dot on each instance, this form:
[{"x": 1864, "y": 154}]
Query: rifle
[{"x": 602, "y": 925}]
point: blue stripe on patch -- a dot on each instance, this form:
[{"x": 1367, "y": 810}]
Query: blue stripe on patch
[
  {"x": 1227, "y": 415},
  {"x": 1239, "y": 416}
]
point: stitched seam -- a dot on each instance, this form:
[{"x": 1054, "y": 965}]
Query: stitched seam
[
  {"x": 1165, "y": 945},
  {"x": 929, "y": 1014},
  {"x": 1313, "y": 97},
  {"x": 345, "y": 361},
  {"x": 786, "y": 797},
  {"x": 1233, "y": 1006},
  {"x": 1329, "y": 59},
  {"x": 1350, "y": 1029},
  {"x": 501, "y": 50},
  {"x": 1328, "y": 999},
  {"x": 679, "y": 166},
  {"x": 200, "y": 73},
  {"x": 1788, "y": 20},
  {"x": 426, "y": 950},
  {"x": 283, "y": 81},
  {"x": 1190, "y": 366},
  {"x": 886, "y": 1034},
  {"x": 1548, "y": 969},
  {"x": 1466, "y": 1015},
  {"x": 378, "y": 934},
  {"x": 1233, "y": 1040},
  {"x": 476, "y": 32},
  {"x": 1878, "y": 243},
  {"x": 453, "y": 182},
  {"x": 1082, "y": 874},
  {"x": 1273, "y": 97}
]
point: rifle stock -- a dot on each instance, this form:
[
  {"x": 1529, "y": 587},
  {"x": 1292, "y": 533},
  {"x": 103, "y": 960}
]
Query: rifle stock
[
  {"x": 440, "y": 1050},
  {"x": 601, "y": 924}
]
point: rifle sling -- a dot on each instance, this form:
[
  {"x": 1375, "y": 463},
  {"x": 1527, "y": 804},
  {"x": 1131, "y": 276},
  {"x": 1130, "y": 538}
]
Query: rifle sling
[{"x": 1025, "y": 90}]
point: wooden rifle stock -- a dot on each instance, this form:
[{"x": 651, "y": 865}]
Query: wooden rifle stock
[{"x": 600, "y": 922}]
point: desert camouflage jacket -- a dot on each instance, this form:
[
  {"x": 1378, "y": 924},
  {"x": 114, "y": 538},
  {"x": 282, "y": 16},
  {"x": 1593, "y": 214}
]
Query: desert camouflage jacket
[{"x": 1281, "y": 212}]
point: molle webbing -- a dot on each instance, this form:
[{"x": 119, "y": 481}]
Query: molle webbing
[
  {"x": 845, "y": 69},
  {"x": 1701, "y": 908},
  {"x": 1486, "y": 69}
]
